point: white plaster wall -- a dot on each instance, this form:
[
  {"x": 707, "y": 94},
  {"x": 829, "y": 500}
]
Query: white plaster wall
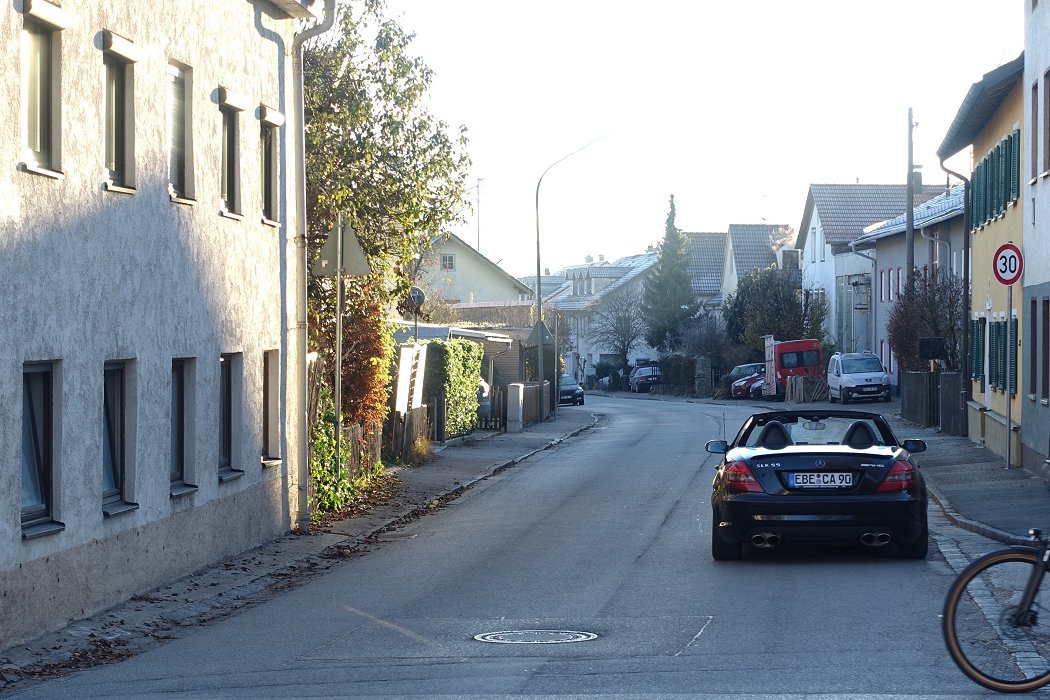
[
  {"x": 89, "y": 276},
  {"x": 820, "y": 274},
  {"x": 1037, "y": 195}
]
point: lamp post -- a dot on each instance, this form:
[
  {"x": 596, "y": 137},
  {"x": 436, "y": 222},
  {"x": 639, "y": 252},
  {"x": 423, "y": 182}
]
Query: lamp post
[{"x": 539, "y": 290}]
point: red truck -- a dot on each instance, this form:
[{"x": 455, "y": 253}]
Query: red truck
[{"x": 791, "y": 358}]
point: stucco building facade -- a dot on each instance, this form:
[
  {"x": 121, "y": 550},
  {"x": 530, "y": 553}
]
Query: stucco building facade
[{"x": 146, "y": 258}]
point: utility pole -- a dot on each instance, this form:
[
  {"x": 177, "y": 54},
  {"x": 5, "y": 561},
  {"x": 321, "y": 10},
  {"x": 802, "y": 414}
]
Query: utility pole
[
  {"x": 909, "y": 215},
  {"x": 478, "y": 195}
]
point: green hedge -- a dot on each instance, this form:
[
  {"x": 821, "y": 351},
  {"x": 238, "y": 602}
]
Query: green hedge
[{"x": 453, "y": 369}]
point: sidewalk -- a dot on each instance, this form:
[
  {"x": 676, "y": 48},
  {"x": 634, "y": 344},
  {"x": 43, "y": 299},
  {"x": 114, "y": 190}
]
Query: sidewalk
[{"x": 971, "y": 484}]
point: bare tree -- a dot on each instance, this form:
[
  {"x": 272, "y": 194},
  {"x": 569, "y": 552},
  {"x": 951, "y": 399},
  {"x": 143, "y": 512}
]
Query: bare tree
[
  {"x": 618, "y": 322},
  {"x": 932, "y": 306}
]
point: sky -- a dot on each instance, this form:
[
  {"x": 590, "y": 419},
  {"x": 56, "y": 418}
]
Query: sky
[{"x": 733, "y": 107}]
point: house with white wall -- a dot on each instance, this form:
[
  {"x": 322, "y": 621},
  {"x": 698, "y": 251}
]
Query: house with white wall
[
  {"x": 146, "y": 245},
  {"x": 458, "y": 274},
  {"x": 833, "y": 217},
  {"x": 1035, "y": 191},
  {"x": 937, "y": 226}
]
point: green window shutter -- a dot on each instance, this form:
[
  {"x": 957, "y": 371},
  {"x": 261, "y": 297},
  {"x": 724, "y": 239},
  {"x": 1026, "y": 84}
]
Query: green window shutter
[
  {"x": 975, "y": 349},
  {"x": 981, "y": 345},
  {"x": 998, "y": 192},
  {"x": 1013, "y": 356},
  {"x": 993, "y": 354},
  {"x": 1015, "y": 165},
  {"x": 982, "y": 172}
]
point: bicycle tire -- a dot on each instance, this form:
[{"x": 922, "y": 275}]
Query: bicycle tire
[{"x": 981, "y": 640}]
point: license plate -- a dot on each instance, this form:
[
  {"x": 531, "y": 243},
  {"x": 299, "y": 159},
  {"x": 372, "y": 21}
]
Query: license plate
[
  {"x": 870, "y": 388},
  {"x": 820, "y": 480}
]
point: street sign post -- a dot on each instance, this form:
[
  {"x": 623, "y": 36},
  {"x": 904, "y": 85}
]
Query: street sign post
[{"x": 1008, "y": 264}]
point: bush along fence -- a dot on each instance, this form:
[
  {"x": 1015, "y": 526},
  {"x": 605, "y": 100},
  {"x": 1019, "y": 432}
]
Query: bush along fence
[{"x": 451, "y": 380}]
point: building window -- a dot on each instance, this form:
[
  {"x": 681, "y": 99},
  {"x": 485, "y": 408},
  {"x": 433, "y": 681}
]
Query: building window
[
  {"x": 180, "y": 133},
  {"x": 41, "y": 91},
  {"x": 823, "y": 245},
  {"x": 889, "y": 295},
  {"x": 229, "y": 410},
  {"x": 1046, "y": 350},
  {"x": 115, "y": 439},
  {"x": 448, "y": 263},
  {"x": 900, "y": 283},
  {"x": 271, "y": 434},
  {"x": 230, "y": 162},
  {"x": 37, "y": 455},
  {"x": 1045, "y": 131},
  {"x": 119, "y": 56},
  {"x": 182, "y": 420},
  {"x": 230, "y": 107},
  {"x": 813, "y": 244},
  {"x": 1033, "y": 346},
  {"x": 270, "y": 163},
  {"x": 882, "y": 285},
  {"x": 1034, "y": 145}
]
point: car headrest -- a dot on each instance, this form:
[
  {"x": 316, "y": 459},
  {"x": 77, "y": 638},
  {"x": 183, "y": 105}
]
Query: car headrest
[
  {"x": 774, "y": 436},
  {"x": 859, "y": 436}
]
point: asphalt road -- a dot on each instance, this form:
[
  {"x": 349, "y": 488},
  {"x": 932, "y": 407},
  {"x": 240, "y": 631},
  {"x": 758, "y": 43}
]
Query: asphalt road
[{"x": 607, "y": 535}]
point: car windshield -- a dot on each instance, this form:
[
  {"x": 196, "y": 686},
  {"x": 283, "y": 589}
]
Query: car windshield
[
  {"x": 817, "y": 430},
  {"x": 861, "y": 364},
  {"x": 566, "y": 380}
]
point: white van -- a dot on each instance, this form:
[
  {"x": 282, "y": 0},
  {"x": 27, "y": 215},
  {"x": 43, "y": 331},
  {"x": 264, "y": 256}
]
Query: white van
[{"x": 857, "y": 375}]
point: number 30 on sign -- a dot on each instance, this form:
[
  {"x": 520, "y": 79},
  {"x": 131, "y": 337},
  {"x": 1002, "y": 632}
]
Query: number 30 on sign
[{"x": 1008, "y": 264}]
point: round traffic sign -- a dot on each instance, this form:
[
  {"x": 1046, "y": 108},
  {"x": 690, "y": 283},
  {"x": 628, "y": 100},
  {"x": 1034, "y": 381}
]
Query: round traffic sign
[
  {"x": 1008, "y": 263},
  {"x": 416, "y": 298}
]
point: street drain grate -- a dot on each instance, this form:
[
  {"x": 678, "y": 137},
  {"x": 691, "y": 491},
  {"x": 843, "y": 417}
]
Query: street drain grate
[{"x": 535, "y": 637}]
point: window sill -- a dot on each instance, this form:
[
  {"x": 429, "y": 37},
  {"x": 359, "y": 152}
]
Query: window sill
[
  {"x": 1045, "y": 174},
  {"x": 110, "y": 510},
  {"x": 110, "y": 186},
  {"x": 227, "y": 214},
  {"x": 180, "y": 489},
  {"x": 1045, "y": 402},
  {"x": 46, "y": 172},
  {"x": 270, "y": 462},
  {"x": 42, "y": 530},
  {"x": 271, "y": 223},
  {"x": 176, "y": 199},
  {"x": 228, "y": 474}
]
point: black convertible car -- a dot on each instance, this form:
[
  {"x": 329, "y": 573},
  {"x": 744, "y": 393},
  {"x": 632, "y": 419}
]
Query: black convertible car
[{"x": 817, "y": 477}]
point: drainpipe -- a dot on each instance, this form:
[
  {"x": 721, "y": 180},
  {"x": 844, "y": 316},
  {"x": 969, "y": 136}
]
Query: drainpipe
[
  {"x": 874, "y": 301},
  {"x": 947, "y": 244},
  {"x": 964, "y": 394},
  {"x": 303, "y": 441}
]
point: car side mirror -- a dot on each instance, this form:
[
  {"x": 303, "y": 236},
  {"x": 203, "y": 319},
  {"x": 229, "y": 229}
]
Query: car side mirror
[
  {"x": 914, "y": 445},
  {"x": 720, "y": 446}
]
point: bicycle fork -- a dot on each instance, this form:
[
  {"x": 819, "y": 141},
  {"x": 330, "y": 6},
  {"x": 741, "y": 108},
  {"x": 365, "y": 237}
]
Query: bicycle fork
[{"x": 1027, "y": 615}]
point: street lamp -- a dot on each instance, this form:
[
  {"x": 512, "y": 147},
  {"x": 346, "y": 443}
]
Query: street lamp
[{"x": 539, "y": 294}]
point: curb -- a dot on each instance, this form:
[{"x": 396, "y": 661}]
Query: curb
[{"x": 974, "y": 526}]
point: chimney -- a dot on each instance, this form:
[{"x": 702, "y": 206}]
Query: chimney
[
  {"x": 588, "y": 259},
  {"x": 601, "y": 258}
]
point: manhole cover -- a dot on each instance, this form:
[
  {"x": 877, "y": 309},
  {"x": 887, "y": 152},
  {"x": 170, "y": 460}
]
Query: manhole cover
[{"x": 535, "y": 637}]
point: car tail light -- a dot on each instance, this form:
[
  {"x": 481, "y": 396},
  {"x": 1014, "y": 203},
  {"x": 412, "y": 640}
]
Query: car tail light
[
  {"x": 739, "y": 478},
  {"x": 900, "y": 478}
]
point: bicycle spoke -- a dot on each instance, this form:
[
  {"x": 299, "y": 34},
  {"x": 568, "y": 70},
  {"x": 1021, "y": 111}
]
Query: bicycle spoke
[{"x": 995, "y": 640}]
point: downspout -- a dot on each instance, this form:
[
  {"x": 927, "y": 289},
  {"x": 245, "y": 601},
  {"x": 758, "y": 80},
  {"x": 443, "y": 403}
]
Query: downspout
[
  {"x": 303, "y": 441},
  {"x": 964, "y": 394},
  {"x": 874, "y": 301},
  {"x": 947, "y": 244}
]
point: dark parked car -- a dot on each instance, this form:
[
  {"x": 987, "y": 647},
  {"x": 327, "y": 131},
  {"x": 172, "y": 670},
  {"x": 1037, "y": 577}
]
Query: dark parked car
[
  {"x": 645, "y": 378},
  {"x": 741, "y": 371},
  {"x": 741, "y": 388},
  {"x": 569, "y": 391},
  {"x": 817, "y": 477}
]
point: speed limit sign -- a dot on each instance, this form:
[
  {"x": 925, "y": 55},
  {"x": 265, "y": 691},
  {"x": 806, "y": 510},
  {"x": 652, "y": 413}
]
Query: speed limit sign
[{"x": 1008, "y": 264}]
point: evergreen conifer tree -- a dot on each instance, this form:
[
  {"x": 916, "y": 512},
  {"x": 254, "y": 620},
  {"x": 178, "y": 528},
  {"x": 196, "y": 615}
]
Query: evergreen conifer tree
[{"x": 668, "y": 300}]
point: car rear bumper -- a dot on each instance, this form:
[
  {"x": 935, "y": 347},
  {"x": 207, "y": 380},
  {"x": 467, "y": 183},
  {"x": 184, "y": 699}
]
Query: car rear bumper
[{"x": 811, "y": 521}]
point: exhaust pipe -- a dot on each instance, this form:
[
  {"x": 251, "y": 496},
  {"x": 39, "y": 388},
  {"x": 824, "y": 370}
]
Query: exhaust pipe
[
  {"x": 765, "y": 540},
  {"x": 875, "y": 539}
]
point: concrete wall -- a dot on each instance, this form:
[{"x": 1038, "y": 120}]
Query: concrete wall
[
  {"x": 89, "y": 275},
  {"x": 1035, "y": 192}
]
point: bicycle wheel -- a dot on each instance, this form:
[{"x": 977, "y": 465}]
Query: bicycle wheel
[{"x": 981, "y": 629}]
